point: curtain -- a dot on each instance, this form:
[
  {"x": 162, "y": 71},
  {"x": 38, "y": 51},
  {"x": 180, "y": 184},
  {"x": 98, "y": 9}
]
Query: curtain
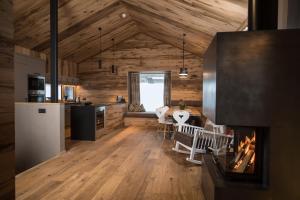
[
  {"x": 167, "y": 89},
  {"x": 134, "y": 88}
]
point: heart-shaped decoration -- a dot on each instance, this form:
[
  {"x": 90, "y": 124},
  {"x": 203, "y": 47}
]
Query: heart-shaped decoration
[
  {"x": 181, "y": 116},
  {"x": 160, "y": 112}
]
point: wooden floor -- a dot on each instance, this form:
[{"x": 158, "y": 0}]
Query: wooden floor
[{"x": 133, "y": 163}]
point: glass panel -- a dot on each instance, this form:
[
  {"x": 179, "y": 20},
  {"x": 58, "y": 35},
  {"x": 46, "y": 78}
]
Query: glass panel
[
  {"x": 36, "y": 83},
  {"x": 48, "y": 91},
  {"x": 59, "y": 92},
  {"x": 41, "y": 84},
  {"x": 152, "y": 90},
  {"x": 69, "y": 92}
]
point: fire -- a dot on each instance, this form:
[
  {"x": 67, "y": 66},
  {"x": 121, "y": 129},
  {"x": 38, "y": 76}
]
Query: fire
[
  {"x": 252, "y": 159},
  {"x": 246, "y": 154}
]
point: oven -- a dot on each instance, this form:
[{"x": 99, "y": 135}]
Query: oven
[{"x": 36, "y": 88}]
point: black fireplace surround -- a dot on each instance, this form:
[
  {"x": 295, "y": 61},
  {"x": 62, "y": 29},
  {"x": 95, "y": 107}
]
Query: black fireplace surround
[{"x": 251, "y": 84}]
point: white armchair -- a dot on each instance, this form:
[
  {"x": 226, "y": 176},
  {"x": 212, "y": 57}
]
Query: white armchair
[
  {"x": 164, "y": 125},
  {"x": 181, "y": 116},
  {"x": 198, "y": 140}
]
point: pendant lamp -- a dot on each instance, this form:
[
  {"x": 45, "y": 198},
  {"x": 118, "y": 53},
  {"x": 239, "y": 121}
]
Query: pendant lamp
[{"x": 183, "y": 72}]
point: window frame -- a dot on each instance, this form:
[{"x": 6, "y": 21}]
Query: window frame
[{"x": 148, "y": 72}]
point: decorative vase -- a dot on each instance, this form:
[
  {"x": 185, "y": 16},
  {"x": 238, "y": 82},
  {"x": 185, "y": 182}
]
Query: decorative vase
[{"x": 182, "y": 105}]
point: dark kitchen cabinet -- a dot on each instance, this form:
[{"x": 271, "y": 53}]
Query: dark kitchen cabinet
[
  {"x": 83, "y": 123},
  {"x": 67, "y": 121}
]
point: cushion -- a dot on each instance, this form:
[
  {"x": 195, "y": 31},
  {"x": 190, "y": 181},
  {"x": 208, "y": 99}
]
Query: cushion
[
  {"x": 136, "y": 108},
  {"x": 208, "y": 125},
  {"x": 131, "y": 108},
  {"x": 184, "y": 138},
  {"x": 142, "y": 108},
  {"x": 141, "y": 114}
]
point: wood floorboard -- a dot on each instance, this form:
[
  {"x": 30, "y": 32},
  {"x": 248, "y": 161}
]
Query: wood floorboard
[{"x": 134, "y": 163}]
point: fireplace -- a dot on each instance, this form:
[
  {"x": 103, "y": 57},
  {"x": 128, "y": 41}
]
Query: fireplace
[
  {"x": 246, "y": 158},
  {"x": 250, "y": 82}
]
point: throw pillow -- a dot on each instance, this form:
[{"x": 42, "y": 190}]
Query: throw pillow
[
  {"x": 131, "y": 108},
  {"x": 136, "y": 108},
  {"x": 142, "y": 108},
  {"x": 208, "y": 125}
]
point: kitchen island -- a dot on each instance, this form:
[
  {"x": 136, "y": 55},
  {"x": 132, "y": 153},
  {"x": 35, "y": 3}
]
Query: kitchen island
[
  {"x": 113, "y": 117},
  {"x": 89, "y": 122},
  {"x": 39, "y": 133}
]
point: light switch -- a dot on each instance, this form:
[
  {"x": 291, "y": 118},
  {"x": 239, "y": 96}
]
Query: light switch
[{"x": 42, "y": 110}]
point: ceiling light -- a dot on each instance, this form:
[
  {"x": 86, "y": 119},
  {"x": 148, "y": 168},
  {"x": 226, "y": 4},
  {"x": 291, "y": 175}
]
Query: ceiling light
[{"x": 123, "y": 15}]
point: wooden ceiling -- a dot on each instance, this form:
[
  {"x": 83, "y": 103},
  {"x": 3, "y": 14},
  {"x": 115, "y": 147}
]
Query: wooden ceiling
[{"x": 165, "y": 20}]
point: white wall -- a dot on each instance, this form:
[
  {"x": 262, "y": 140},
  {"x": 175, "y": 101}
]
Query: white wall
[
  {"x": 282, "y": 14},
  {"x": 25, "y": 65},
  {"x": 38, "y": 136}
]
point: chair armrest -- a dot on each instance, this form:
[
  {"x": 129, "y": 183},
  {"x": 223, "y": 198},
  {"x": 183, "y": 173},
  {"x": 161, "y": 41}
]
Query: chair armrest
[{"x": 207, "y": 132}]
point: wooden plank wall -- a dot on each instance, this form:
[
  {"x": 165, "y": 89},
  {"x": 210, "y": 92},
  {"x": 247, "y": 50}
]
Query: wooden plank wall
[
  {"x": 67, "y": 70},
  {"x": 140, "y": 53},
  {"x": 7, "y": 139},
  {"x": 31, "y": 53}
]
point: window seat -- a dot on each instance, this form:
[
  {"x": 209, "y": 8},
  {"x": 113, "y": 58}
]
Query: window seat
[
  {"x": 141, "y": 114},
  {"x": 140, "y": 119}
]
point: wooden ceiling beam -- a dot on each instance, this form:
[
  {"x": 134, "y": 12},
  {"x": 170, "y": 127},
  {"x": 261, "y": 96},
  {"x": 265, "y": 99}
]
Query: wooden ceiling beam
[
  {"x": 81, "y": 25},
  {"x": 171, "y": 40},
  {"x": 165, "y": 19},
  {"x": 120, "y": 34},
  {"x": 107, "y": 48},
  {"x": 169, "y": 33}
]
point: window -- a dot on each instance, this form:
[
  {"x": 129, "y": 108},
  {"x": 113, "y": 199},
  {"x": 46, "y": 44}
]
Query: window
[
  {"x": 152, "y": 90},
  {"x": 69, "y": 92},
  {"x": 48, "y": 91}
]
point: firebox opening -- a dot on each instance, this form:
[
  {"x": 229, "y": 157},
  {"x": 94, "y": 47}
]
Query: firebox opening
[{"x": 246, "y": 158}]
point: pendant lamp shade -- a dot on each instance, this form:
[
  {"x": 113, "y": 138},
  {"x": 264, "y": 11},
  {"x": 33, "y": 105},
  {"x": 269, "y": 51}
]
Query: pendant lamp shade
[{"x": 183, "y": 71}]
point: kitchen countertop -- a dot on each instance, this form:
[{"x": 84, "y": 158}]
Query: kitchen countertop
[
  {"x": 109, "y": 104},
  {"x": 68, "y": 105}
]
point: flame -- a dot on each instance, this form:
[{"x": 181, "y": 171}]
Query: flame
[
  {"x": 252, "y": 159},
  {"x": 247, "y": 148},
  {"x": 243, "y": 149}
]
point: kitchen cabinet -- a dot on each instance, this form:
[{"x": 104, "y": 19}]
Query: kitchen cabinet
[{"x": 67, "y": 121}]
